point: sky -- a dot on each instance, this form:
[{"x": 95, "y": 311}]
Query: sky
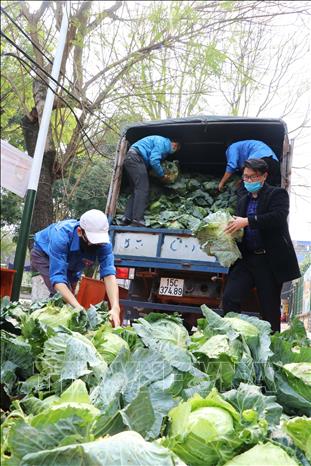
[{"x": 300, "y": 211}]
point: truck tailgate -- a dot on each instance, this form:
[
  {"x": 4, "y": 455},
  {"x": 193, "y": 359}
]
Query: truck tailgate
[{"x": 161, "y": 248}]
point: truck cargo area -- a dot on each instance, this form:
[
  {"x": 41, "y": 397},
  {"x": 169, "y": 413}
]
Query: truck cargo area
[{"x": 165, "y": 256}]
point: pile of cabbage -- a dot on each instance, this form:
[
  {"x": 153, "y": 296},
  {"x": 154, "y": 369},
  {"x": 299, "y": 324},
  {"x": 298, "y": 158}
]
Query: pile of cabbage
[
  {"x": 184, "y": 203},
  {"x": 76, "y": 391}
]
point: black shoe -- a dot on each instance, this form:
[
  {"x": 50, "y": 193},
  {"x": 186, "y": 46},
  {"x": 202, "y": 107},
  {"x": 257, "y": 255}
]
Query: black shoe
[
  {"x": 125, "y": 221},
  {"x": 138, "y": 223}
]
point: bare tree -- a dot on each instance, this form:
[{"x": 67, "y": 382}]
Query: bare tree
[{"x": 101, "y": 65}]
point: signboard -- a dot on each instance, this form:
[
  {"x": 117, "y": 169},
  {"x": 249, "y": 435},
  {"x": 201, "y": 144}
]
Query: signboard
[{"x": 15, "y": 169}]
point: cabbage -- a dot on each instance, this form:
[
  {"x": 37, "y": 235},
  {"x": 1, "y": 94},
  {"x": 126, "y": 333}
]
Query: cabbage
[
  {"x": 263, "y": 455},
  {"x": 289, "y": 371},
  {"x": 202, "y": 430},
  {"x": 107, "y": 343},
  {"x": 171, "y": 170},
  {"x": 244, "y": 328},
  {"x": 220, "y": 357},
  {"x": 170, "y": 331},
  {"x": 299, "y": 430},
  {"x": 126, "y": 448},
  {"x": 210, "y": 423},
  {"x": 214, "y": 241},
  {"x": 54, "y": 316},
  {"x": 41, "y": 323},
  {"x": 166, "y": 335},
  {"x": 210, "y": 431},
  {"x": 191, "y": 197},
  {"x": 300, "y": 370},
  {"x": 16, "y": 361},
  {"x": 159, "y": 327},
  {"x": 215, "y": 346},
  {"x": 68, "y": 356}
]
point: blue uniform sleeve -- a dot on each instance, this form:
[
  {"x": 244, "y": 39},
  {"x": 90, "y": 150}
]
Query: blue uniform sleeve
[
  {"x": 106, "y": 261},
  {"x": 232, "y": 155},
  {"x": 58, "y": 254},
  {"x": 155, "y": 161}
]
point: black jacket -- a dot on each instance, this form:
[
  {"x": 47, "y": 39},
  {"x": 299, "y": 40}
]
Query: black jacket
[{"x": 271, "y": 220}]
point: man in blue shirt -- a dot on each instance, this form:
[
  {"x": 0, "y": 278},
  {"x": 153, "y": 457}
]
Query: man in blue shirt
[
  {"x": 63, "y": 249},
  {"x": 237, "y": 154},
  {"x": 145, "y": 154}
]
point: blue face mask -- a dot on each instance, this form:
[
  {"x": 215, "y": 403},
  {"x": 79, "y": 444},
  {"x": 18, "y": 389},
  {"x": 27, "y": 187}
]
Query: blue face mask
[{"x": 253, "y": 187}]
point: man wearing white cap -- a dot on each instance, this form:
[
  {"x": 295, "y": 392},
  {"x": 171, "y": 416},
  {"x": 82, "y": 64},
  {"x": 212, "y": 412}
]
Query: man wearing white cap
[{"x": 63, "y": 249}]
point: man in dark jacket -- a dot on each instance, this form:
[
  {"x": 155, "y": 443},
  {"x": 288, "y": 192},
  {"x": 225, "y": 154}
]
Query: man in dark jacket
[
  {"x": 145, "y": 154},
  {"x": 268, "y": 256}
]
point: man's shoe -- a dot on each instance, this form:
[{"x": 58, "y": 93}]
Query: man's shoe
[
  {"x": 125, "y": 221},
  {"x": 138, "y": 223}
]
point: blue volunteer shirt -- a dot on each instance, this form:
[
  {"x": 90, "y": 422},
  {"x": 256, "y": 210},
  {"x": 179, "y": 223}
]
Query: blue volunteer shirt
[
  {"x": 153, "y": 150},
  {"x": 238, "y": 152},
  {"x": 60, "y": 241}
]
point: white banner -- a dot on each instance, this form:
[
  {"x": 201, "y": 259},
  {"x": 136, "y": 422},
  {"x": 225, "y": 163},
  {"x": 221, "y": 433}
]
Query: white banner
[{"x": 15, "y": 169}]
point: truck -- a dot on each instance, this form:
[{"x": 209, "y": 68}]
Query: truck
[{"x": 166, "y": 270}]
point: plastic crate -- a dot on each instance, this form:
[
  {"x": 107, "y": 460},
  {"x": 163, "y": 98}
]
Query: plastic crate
[
  {"x": 91, "y": 291},
  {"x": 7, "y": 277}
]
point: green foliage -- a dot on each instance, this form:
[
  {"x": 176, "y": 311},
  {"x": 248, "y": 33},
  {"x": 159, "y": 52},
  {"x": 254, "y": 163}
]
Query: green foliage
[
  {"x": 16, "y": 361},
  {"x": 91, "y": 191},
  {"x": 152, "y": 404},
  {"x": 11, "y": 211},
  {"x": 7, "y": 247}
]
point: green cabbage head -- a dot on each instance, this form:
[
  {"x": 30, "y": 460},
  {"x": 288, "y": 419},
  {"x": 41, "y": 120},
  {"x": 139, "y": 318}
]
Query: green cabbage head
[
  {"x": 202, "y": 431},
  {"x": 266, "y": 454},
  {"x": 242, "y": 326},
  {"x": 210, "y": 423},
  {"x": 107, "y": 343}
]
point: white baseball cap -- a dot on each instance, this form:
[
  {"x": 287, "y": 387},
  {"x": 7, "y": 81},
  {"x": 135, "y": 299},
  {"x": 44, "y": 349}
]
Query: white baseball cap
[{"x": 95, "y": 224}]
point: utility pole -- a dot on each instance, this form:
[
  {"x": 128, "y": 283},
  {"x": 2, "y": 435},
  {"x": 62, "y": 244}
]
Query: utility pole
[{"x": 21, "y": 249}]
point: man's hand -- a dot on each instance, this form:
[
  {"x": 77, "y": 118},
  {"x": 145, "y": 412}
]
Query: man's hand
[
  {"x": 165, "y": 179},
  {"x": 115, "y": 316},
  {"x": 79, "y": 308},
  {"x": 220, "y": 186},
  {"x": 67, "y": 295},
  {"x": 113, "y": 296},
  {"x": 236, "y": 224}
]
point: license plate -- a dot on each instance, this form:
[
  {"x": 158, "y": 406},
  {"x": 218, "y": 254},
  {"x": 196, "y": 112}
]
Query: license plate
[{"x": 171, "y": 286}]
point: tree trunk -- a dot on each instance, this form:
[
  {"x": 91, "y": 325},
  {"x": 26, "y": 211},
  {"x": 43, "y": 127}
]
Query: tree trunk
[{"x": 43, "y": 210}]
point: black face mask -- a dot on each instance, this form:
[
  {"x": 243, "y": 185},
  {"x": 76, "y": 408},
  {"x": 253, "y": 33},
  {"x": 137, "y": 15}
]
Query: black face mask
[{"x": 84, "y": 246}]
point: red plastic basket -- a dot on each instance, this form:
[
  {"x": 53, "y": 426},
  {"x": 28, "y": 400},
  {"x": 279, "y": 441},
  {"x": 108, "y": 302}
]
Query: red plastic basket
[
  {"x": 91, "y": 291},
  {"x": 7, "y": 277}
]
